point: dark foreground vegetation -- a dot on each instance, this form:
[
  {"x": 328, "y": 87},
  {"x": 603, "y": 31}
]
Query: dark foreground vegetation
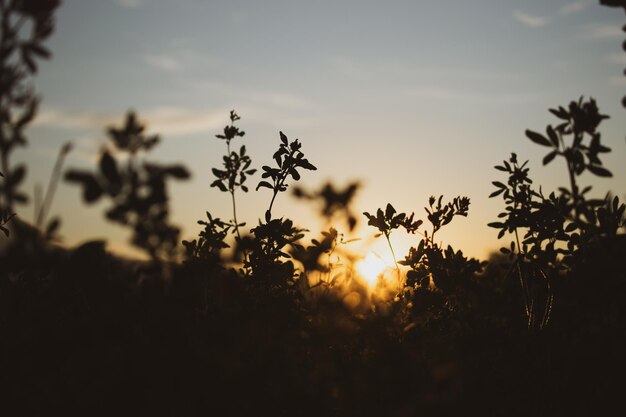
[{"x": 272, "y": 324}]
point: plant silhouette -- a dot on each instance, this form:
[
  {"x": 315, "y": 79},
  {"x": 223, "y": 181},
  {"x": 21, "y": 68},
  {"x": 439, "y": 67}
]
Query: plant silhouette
[
  {"x": 24, "y": 28},
  {"x": 85, "y": 332},
  {"x": 136, "y": 187},
  {"x": 289, "y": 158},
  {"x": 558, "y": 229},
  {"x": 236, "y": 168}
]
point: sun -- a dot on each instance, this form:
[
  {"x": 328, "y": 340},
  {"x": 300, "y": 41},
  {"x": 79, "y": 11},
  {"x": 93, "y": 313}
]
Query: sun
[{"x": 371, "y": 267}]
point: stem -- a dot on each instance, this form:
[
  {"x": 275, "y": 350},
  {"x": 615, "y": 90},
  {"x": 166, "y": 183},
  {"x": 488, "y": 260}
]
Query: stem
[
  {"x": 572, "y": 180},
  {"x": 232, "y": 194},
  {"x": 52, "y": 185},
  {"x": 522, "y": 281},
  {"x": 392, "y": 253}
]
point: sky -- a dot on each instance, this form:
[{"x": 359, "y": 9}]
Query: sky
[{"x": 412, "y": 98}]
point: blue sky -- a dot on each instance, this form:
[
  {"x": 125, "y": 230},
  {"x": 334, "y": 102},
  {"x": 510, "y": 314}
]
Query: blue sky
[{"x": 413, "y": 98}]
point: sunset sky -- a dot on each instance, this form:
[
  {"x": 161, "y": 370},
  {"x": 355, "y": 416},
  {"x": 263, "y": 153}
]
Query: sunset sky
[{"x": 413, "y": 98}]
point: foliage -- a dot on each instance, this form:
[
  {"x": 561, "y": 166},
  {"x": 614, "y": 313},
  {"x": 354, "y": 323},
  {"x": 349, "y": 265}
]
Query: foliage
[
  {"x": 388, "y": 221},
  {"x": 289, "y": 158},
  {"x": 82, "y": 329},
  {"x": 333, "y": 201},
  {"x": 210, "y": 242},
  {"x": 236, "y": 168},
  {"x": 24, "y": 28},
  {"x": 556, "y": 230},
  {"x": 136, "y": 187}
]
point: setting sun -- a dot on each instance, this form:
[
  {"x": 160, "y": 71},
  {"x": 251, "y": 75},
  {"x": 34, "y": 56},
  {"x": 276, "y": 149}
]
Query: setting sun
[{"x": 371, "y": 267}]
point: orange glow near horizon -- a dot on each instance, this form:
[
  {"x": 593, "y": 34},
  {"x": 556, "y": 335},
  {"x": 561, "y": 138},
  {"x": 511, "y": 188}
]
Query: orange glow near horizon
[{"x": 372, "y": 267}]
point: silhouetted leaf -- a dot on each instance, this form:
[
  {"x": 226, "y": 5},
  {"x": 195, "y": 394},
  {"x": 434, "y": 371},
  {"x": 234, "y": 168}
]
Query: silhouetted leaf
[
  {"x": 537, "y": 138},
  {"x": 264, "y": 184},
  {"x": 552, "y": 136},
  {"x": 549, "y": 157},
  {"x": 108, "y": 168},
  {"x": 599, "y": 171},
  {"x": 178, "y": 172},
  {"x": 53, "y": 226},
  {"x": 17, "y": 176}
]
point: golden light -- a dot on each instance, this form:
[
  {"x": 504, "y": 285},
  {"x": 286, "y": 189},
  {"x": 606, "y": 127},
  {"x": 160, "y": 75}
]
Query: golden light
[{"x": 371, "y": 267}]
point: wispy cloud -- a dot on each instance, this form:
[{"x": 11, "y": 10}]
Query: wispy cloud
[
  {"x": 616, "y": 58},
  {"x": 179, "y": 121},
  {"x": 163, "y": 62},
  {"x": 71, "y": 120},
  {"x": 165, "y": 120},
  {"x": 453, "y": 95},
  {"x": 348, "y": 67},
  {"x": 574, "y": 7},
  {"x": 602, "y": 31},
  {"x": 617, "y": 81},
  {"x": 530, "y": 20},
  {"x": 130, "y": 4},
  {"x": 178, "y": 58}
]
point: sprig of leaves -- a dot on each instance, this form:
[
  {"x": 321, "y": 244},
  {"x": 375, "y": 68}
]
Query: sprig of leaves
[
  {"x": 288, "y": 158},
  {"x": 137, "y": 189},
  {"x": 24, "y": 28},
  {"x": 388, "y": 221},
  {"x": 236, "y": 168}
]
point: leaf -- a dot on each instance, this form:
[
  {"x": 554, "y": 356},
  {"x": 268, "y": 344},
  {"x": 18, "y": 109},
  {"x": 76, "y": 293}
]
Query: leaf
[
  {"x": 553, "y": 136},
  {"x": 16, "y": 176},
  {"x": 389, "y": 211},
  {"x": 53, "y": 226},
  {"x": 538, "y": 138},
  {"x": 284, "y": 139},
  {"x": 268, "y": 216},
  {"x": 561, "y": 113},
  {"x": 28, "y": 60},
  {"x": 497, "y": 225},
  {"x": 264, "y": 184},
  {"x": 219, "y": 184},
  {"x": 178, "y": 171},
  {"x": 108, "y": 167},
  {"x": 39, "y": 50},
  {"x": 599, "y": 171},
  {"x": 304, "y": 163},
  {"x": 499, "y": 184},
  {"x": 549, "y": 157},
  {"x": 496, "y": 193}
]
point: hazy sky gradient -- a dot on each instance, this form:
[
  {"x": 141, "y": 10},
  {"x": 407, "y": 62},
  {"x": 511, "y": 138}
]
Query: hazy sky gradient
[{"x": 414, "y": 98}]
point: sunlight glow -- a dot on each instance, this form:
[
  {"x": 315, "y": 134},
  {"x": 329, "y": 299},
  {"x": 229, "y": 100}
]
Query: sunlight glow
[{"x": 371, "y": 267}]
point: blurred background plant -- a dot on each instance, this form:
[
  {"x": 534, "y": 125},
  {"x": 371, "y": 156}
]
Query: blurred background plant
[
  {"x": 25, "y": 25},
  {"x": 136, "y": 187}
]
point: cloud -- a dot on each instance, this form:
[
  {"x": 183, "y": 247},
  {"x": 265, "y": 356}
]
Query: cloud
[
  {"x": 179, "y": 121},
  {"x": 164, "y": 120},
  {"x": 603, "y": 31},
  {"x": 574, "y": 7},
  {"x": 454, "y": 95},
  {"x": 71, "y": 121},
  {"x": 530, "y": 20},
  {"x": 348, "y": 67},
  {"x": 616, "y": 58},
  {"x": 130, "y": 4},
  {"x": 179, "y": 57},
  {"x": 163, "y": 62},
  {"x": 617, "y": 81}
]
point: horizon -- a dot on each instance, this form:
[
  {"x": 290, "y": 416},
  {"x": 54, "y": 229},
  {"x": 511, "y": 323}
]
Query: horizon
[{"x": 427, "y": 98}]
